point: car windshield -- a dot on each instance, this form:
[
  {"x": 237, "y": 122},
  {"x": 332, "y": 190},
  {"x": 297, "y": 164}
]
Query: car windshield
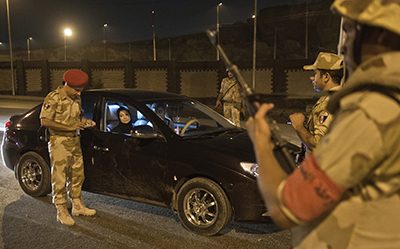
[{"x": 190, "y": 118}]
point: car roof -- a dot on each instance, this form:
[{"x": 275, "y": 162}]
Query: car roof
[{"x": 140, "y": 95}]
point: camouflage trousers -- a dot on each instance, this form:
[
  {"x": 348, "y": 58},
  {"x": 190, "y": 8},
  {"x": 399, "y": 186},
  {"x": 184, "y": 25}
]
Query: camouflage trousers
[
  {"x": 232, "y": 113},
  {"x": 67, "y": 173}
]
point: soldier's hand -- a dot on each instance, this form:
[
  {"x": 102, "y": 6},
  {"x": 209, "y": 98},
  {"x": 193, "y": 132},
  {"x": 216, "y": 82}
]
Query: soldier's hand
[
  {"x": 218, "y": 103},
  {"x": 78, "y": 125},
  {"x": 258, "y": 128},
  {"x": 90, "y": 123},
  {"x": 297, "y": 119}
]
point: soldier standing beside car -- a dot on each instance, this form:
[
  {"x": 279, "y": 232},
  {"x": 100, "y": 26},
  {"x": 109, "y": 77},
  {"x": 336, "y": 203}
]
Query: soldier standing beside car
[
  {"x": 233, "y": 105},
  {"x": 328, "y": 72},
  {"x": 346, "y": 193},
  {"x": 62, "y": 115}
]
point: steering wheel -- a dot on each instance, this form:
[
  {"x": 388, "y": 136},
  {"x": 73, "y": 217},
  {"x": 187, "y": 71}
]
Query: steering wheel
[{"x": 187, "y": 125}]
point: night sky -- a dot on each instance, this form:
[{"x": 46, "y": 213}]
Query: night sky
[{"x": 127, "y": 20}]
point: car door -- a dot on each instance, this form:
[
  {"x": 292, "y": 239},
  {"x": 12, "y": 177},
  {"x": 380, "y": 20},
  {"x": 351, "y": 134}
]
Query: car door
[{"x": 124, "y": 165}]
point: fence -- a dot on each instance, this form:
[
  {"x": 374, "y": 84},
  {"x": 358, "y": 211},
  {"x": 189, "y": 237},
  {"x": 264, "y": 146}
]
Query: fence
[{"x": 200, "y": 80}]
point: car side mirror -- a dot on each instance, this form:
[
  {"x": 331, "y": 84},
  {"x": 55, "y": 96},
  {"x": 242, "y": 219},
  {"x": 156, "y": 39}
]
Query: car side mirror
[{"x": 144, "y": 131}]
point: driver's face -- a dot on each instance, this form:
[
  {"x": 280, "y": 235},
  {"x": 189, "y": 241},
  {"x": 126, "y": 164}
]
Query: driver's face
[
  {"x": 124, "y": 117},
  {"x": 160, "y": 112}
]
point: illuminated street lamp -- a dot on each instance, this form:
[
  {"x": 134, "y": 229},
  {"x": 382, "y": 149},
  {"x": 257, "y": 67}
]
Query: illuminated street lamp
[
  {"x": 104, "y": 41},
  {"x": 29, "y": 51},
  {"x": 67, "y": 32},
  {"x": 218, "y": 29}
]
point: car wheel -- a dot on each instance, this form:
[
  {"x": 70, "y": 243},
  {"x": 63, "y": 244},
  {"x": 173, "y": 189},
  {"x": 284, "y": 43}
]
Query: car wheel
[
  {"x": 34, "y": 175},
  {"x": 203, "y": 207}
]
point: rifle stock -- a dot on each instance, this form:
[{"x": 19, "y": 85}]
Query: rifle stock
[{"x": 253, "y": 103}]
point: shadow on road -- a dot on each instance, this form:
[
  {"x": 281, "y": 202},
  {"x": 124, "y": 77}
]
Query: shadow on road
[{"x": 121, "y": 224}]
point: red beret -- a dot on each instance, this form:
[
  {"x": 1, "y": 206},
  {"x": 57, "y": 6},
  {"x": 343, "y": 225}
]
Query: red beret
[{"x": 75, "y": 78}]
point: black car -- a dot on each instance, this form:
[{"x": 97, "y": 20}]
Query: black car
[{"x": 203, "y": 167}]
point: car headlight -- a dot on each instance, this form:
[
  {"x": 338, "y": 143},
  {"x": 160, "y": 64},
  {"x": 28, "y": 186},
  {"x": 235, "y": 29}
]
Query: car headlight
[{"x": 252, "y": 168}]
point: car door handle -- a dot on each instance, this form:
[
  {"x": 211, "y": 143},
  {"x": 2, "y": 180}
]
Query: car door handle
[{"x": 104, "y": 149}]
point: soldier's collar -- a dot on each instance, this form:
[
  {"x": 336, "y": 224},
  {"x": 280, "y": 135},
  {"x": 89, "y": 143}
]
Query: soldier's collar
[{"x": 63, "y": 95}]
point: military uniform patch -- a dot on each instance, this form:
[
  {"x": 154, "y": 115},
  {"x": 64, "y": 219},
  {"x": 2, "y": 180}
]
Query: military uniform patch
[
  {"x": 322, "y": 117},
  {"x": 46, "y": 106}
]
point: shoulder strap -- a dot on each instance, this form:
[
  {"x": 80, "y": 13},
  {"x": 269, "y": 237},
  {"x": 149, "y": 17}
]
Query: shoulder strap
[{"x": 228, "y": 90}]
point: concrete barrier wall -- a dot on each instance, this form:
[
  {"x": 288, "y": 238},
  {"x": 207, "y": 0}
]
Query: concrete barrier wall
[{"x": 195, "y": 79}]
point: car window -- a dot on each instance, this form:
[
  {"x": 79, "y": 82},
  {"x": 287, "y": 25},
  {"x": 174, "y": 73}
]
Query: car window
[
  {"x": 116, "y": 122},
  {"x": 187, "y": 118},
  {"x": 111, "y": 119},
  {"x": 164, "y": 112}
]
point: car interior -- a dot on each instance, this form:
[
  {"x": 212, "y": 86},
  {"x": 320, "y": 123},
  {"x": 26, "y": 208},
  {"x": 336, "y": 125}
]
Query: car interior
[
  {"x": 111, "y": 119},
  {"x": 178, "y": 114}
]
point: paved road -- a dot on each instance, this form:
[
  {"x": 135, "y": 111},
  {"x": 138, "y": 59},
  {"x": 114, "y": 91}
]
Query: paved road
[{"x": 27, "y": 222}]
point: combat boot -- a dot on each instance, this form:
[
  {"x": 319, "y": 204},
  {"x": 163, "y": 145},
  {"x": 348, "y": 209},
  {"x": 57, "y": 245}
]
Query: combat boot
[
  {"x": 78, "y": 208},
  {"x": 63, "y": 216}
]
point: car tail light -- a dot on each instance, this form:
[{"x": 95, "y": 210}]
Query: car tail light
[{"x": 8, "y": 124}]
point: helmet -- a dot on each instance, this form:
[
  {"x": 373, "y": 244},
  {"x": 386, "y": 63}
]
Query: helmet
[
  {"x": 379, "y": 13},
  {"x": 326, "y": 61}
]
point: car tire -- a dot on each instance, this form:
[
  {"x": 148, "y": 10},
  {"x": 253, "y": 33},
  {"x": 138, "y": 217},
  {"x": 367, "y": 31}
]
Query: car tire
[
  {"x": 203, "y": 207},
  {"x": 34, "y": 175}
]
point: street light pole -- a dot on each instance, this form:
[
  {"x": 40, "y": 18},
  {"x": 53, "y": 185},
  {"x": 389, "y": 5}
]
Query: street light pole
[
  {"x": 154, "y": 36},
  {"x": 29, "y": 51},
  {"x": 254, "y": 44},
  {"x": 104, "y": 41},
  {"x": 169, "y": 50},
  {"x": 275, "y": 38},
  {"x": 67, "y": 32},
  {"x": 65, "y": 47},
  {"x": 218, "y": 29},
  {"x": 11, "y": 55},
  {"x": 306, "y": 41}
]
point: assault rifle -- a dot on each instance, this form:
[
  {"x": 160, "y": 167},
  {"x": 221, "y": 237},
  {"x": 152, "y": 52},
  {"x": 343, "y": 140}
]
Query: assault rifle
[{"x": 253, "y": 101}]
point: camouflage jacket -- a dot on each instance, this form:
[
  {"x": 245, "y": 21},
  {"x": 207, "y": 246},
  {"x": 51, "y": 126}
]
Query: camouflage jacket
[
  {"x": 57, "y": 106},
  {"x": 346, "y": 194},
  {"x": 230, "y": 90},
  {"x": 319, "y": 118}
]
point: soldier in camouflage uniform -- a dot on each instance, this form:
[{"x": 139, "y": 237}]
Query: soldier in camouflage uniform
[
  {"x": 230, "y": 94},
  {"x": 62, "y": 115},
  {"x": 328, "y": 72},
  {"x": 346, "y": 194}
]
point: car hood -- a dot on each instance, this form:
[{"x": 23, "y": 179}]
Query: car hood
[{"x": 233, "y": 142}]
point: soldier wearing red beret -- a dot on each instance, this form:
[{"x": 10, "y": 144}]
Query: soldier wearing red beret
[{"x": 62, "y": 115}]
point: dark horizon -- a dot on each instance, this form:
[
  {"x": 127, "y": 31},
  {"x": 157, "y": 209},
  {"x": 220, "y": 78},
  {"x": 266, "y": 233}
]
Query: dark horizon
[{"x": 127, "y": 21}]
